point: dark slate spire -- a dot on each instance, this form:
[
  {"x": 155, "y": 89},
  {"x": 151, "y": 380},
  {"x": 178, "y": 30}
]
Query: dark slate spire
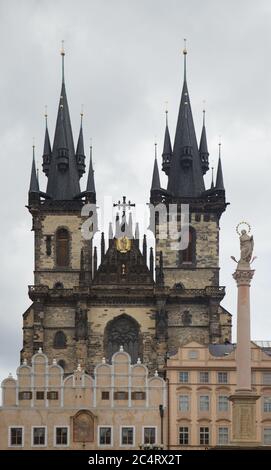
[
  {"x": 151, "y": 261},
  {"x": 144, "y": 248},
  {"x": 90, "y": 191},
  {"x": 185, "y": 175},
  {"x": 63, "y": 177},
  {"x": 219, "y": 175},
  {"x": 80, "y": 153},
  {"x": 95, "y": 260},
  {"x": 137, "y": 235},
  {"x": 34, "y": 184},
  {"x": 167, "y": 150},
  {"x": 102, "y": 246},
  {"x": 47, "y": 152},
  {"x": 155, "y": 186},
  {"x": 34, "y": 190},
  {"x": 212, "y": 182},
  {"x": 110, "y": 235},
  {"x": 203, "y": 148}
]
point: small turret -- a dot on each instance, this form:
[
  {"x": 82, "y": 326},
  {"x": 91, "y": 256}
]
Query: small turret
[
  {"x": 203, "y": 148},
  {"x": 34, "y": 191},
  {"x": 80, "y": 153},
  {"x": 47, "y": 151},
  {"x": 219, "y": 175},
  {"x": 167, "y": 149},
  {"x": 90, "y": 191}
]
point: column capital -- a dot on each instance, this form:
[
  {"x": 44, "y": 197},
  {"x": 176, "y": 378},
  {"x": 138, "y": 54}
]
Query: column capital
[{"x": 243, "y": 276}]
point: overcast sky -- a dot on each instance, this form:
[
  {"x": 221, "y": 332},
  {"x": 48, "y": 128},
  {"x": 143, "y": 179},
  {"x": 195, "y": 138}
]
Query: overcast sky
[{"x": 123, "y": 62}]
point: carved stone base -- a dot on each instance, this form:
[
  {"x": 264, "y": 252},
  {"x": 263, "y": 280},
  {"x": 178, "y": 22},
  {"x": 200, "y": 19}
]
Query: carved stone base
[{"x": 244, "y": 419}]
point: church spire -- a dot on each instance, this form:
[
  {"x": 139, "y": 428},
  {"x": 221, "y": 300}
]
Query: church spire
[
  {"x": 203, "y": 148},
  {"x": 34, "y": 190},
  {"x": 63, "y": 177},
  {"x": 90, "y": 191},
  {"x": 185, "y": 175},
  {"x": 47, "y": 152},
  {"x": 219, "y": 175},
  {"x": 80, "y": 153},
  {"x": 155, "y": 186},
  {"x": 167, "y": 149}
]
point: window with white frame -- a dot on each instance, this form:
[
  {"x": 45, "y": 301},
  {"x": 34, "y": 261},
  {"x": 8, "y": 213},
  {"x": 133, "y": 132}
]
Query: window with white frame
[
  {"x": 267, "y": 436},
  {"x": 222, "y": 377},
  {"x": 39, "y": 436},
  {"x": 184, "y": 403},
  {"x": 16, "y": 436},
  {"x": 267, "y": 404},
  {"x": 266, "y": 378},
  {"x": 192, "y": 354},
  {"x": 203, "y": 377},
  {"x": 204, "y": 403},
  {"x": 204, "y": 435},
  {"x": 223, "y": 403},
  {"x": 127, "y": 436},
  {"x": 184, "y": 376},
  {"x": 183, "y": 435},
  {"x": 61, "y": 436},
  {"x": 105, "y": 435},
  {"x": 223, "y": 435},
  {"x": 149, "y": 435}
]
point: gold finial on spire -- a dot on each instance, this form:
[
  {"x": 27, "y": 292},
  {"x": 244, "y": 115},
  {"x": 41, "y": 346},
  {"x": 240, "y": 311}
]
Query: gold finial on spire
[
  {"x": 45, "y": 114},
  {"x": 219, "y": 147},
  {"x": 155, "y": 149},
  {"x": 184, "y": 48},
  {"x": 33, "y": 143},
  {"x": 203, "y": 111},
  {"x": 82, "y": 113},
  {"x": 166, "y": 111},
  {"x": 62, "y": 50},
  {"x": 184, "y": 56}
]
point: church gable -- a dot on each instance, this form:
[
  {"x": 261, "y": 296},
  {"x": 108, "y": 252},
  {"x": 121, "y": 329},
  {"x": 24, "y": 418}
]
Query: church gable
[{"x": 123, "y": 263}]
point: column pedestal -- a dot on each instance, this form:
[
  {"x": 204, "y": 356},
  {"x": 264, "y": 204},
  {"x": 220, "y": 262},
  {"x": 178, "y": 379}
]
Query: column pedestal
[{"x": 244, "y": 419}]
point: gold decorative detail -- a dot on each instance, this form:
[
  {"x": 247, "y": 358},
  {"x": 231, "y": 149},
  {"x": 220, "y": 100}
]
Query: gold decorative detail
[
  {"x": 184, "y": 49},
  {"x": 243, "y": 223},
  {"x": 62, "y": 50},
  {"x": 123, "y": 244}
]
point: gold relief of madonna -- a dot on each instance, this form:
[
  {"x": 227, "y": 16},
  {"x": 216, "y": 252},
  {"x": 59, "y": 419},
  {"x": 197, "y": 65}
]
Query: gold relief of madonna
[{"x": 123, "y": 244}]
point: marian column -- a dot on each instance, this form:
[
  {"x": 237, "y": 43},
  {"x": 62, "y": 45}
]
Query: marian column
[{"x": 244, "y": 400}]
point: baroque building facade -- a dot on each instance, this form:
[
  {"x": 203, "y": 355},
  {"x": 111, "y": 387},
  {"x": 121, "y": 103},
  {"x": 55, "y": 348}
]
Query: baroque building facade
[
  {"x": 149, "y": 302},
  {"x": 116, "y": 408},
  {"x": 202, "y": 379}
]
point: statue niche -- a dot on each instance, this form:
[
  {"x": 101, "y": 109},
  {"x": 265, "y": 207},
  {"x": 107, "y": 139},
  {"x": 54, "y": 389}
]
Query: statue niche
[
  {"x": 123, "y": 331},
  {"x": 81, "y": 324}
]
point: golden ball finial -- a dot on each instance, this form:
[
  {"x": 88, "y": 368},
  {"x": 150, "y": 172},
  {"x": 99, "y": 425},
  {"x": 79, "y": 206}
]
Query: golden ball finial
[
  {"x": 62, "y": 51},
  {"x": 184, "y": 49}
]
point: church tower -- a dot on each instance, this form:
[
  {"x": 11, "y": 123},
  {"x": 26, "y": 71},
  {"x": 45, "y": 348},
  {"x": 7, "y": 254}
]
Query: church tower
[
  {"x": 60, "y": 249},
  {"x": 191, "y": 274}
]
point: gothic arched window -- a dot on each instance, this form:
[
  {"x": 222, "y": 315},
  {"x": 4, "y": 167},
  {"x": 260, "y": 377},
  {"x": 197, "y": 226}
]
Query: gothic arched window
[
  {"x": 123, "y": 331},
  {"x": 60, "y": 340},
  {"x": 62, "y": 247},
  {"x": 188, "y": 256}
]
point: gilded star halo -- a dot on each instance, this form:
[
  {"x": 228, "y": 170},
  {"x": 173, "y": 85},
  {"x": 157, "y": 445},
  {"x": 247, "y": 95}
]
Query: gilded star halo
[{"x": 243, "y": 223}]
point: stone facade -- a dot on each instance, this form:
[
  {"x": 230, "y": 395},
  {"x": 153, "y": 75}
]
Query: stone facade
[
  {"x": 185, "y": 307},
  {"x": 116, "y": 408}
]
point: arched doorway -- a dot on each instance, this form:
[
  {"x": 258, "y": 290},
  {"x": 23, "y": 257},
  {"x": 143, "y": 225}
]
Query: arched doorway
[{"x": 123, "y": 331}]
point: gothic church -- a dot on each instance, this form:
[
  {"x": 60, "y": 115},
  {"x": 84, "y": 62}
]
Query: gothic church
[{"x": 148, "y": 302}]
